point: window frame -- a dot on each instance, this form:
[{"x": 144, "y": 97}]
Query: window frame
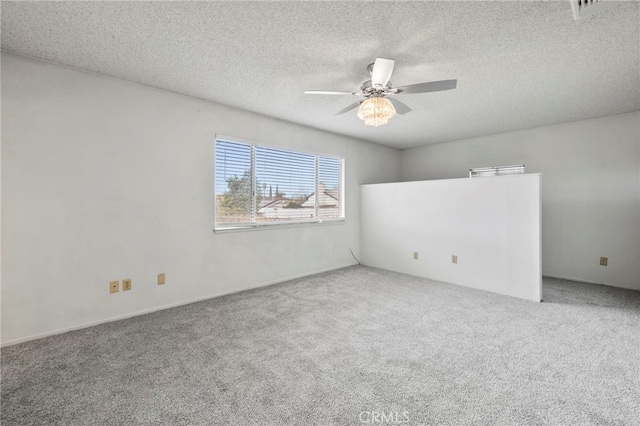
[{"x": 257, "y": 225}]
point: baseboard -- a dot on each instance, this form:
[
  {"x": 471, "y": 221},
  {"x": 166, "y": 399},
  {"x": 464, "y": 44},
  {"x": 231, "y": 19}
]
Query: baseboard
[
  {"x": 163, "y": 307},
  {"x": 582, "y": 280}
]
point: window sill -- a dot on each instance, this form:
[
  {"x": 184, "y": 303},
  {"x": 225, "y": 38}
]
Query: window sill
[{"x": 245, "y": 228}]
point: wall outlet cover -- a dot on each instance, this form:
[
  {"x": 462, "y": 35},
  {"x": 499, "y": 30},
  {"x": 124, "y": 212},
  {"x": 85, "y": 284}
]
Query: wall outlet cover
[
  {"x": 161, "y": 279},
  {"x": 114, "y": 286},
  {"x": 126, "y": 284}
]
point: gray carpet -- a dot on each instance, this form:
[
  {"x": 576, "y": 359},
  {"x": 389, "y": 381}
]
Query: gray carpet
[{"x": 350, "y": 347}]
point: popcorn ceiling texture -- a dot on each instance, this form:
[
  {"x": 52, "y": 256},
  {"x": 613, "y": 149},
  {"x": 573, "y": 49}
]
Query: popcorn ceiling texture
[{"x": 518, "y": 64}]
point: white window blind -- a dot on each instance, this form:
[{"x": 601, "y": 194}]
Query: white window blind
[
  {"x": 329, "y": 188},
  {"x": 234, "y": 183},
  {"x": 496, "y": 171},
  {"x": 261, "y": 186}
]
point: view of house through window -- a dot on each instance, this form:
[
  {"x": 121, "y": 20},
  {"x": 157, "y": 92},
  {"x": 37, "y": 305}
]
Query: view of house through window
[{"x": 257, "y": 185}]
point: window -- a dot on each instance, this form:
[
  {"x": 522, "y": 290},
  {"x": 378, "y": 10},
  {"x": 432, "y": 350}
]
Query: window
[
  {"x": 260, "y": 186},
  {"x": 496, "y": 171}
]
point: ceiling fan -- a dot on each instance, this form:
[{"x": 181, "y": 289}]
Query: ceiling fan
[{"x": 379, "y": 105}]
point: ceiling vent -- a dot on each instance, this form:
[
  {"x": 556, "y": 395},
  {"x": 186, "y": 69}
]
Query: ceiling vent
[{"x": 586, "y": 8}]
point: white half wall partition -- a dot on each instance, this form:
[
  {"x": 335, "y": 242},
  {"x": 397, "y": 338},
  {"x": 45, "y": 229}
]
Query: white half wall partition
[{"x": 489, "y": 226}]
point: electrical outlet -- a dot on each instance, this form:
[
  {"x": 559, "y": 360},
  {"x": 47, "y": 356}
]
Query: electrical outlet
[
  {"x": 126, "y": 284},
  {"x": 114, "y": 286},
  {"x": 604, "y": 261},
  {"x": 454, "y": 258},
  {"x": 160, "y": 279},
  {"x": 415, "y": 255}
]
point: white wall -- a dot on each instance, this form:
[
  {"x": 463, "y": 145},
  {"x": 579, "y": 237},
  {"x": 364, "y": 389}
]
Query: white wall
[
  {"x": 590, "y": 190},
  {"x": 104, "y": 179},
  {"x": 491, "y": 224}
]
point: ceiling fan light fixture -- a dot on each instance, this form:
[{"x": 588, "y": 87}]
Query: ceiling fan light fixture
[{"x": 376, "y": 111}]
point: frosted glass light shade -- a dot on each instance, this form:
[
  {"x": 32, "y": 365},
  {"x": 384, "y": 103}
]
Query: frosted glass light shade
[{"x": 376, "y": 111}]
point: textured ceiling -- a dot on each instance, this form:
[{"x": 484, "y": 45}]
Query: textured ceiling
[{"x": 518, "y": 64}]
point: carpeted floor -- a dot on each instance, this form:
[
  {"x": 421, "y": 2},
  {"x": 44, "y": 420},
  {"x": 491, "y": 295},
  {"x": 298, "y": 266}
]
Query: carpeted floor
[{"x": 350, "y": 347}]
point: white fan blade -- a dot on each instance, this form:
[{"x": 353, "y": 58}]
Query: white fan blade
[
  {"x": 326, "y": 92},
  {"x": 382, "y": 69},
  {"x": 401, "y": 108},
  {"x": 349, "y": 108},
  {"x": 432, "y": 86}
]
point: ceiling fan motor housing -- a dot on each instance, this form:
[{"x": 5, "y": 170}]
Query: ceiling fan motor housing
[{"x": 367, "y": 89}]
